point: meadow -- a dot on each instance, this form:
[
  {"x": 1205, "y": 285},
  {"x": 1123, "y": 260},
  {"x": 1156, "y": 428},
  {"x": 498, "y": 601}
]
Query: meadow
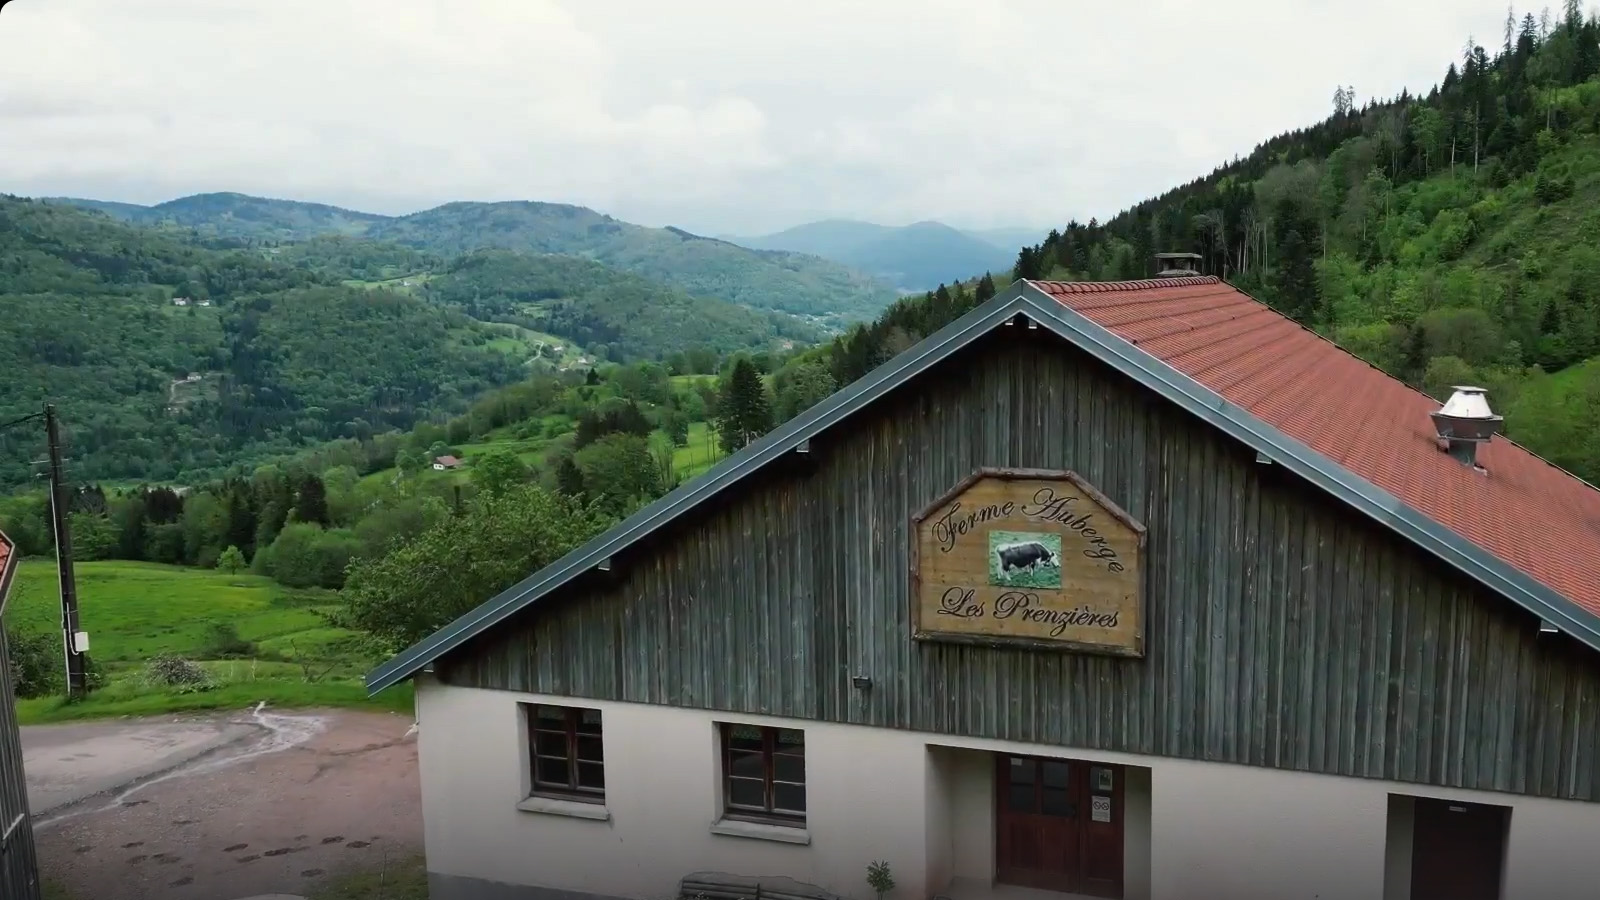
[{"x": 285, "y": 653}]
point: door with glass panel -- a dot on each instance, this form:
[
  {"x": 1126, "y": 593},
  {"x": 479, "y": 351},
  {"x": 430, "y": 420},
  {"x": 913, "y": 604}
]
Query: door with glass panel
[{"x": 1058, "y": 825}]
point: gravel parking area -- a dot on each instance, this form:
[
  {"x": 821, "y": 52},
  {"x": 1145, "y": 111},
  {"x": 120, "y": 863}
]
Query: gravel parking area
[{"x": 222, "y": 807}]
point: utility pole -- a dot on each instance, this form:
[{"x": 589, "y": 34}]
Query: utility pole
[{"x": 77, "y": 683}]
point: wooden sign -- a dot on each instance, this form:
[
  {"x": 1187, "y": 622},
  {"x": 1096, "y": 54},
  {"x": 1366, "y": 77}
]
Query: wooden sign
[{"x": 1030, "y": 557}]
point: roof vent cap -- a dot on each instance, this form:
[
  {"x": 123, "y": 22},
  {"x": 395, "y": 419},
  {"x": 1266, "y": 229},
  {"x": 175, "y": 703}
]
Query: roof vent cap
[
  {"x": 1464, "y": 422},
  {"x": 1177, "y": 265}
]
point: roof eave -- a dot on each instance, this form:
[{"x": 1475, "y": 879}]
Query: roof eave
[{"x": 1100, "y": 342}]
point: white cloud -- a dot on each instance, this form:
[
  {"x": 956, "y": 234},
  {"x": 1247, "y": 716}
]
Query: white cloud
[{"x": 718, "y": 115}]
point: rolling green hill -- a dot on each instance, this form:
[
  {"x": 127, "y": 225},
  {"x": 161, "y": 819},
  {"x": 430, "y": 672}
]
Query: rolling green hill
[
  {"x": 621, "y": 315},
  {"x": 238, "y": 216},
  {"x": 822, "y": 292}
]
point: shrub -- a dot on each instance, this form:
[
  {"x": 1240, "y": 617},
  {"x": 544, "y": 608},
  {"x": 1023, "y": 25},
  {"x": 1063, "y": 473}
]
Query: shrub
[
  {"x": 223, "y": 642},
  {"x": 231, "y": 560},
  {"x": 174, "y": 671},
  {"x": 36, "y": 664},
  {"x": 306, "y": 555}
]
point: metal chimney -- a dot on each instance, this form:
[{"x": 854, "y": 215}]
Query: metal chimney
[{"x": 1464, "y": 422}]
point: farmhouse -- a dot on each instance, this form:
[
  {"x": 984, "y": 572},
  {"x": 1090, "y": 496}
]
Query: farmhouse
[
  {"x": 19, "y": 870},
  {"x": 1132, "y": 590},
  {"x": 441, "y": 463}
]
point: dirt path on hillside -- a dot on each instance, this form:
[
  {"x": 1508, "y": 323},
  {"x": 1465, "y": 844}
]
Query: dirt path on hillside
[{"x": 299, "y": 798}]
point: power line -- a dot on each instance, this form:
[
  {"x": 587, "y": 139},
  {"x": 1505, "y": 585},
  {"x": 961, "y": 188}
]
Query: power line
[{"x": 15, "y": 422}]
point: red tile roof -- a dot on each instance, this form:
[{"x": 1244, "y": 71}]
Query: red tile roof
[
  {"x": 1529, "y": 513},
  {"x": 7, "y": 566}
]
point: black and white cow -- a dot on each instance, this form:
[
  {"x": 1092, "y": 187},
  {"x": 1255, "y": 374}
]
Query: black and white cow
[{"x": 1031, "y": 555}]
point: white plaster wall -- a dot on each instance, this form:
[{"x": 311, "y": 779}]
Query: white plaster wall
[
  {"x": 972, "y": 806},
  {"x": 865, "y": 793},
  {"x": 940, "y": 841},
  {"x": 1137, "y": 809},
  {"x": 1245, "y": 833},
  {"x": 1214, "y": 830}
]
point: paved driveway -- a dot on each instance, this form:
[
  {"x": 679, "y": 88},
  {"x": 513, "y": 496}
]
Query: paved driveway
[{"x": 221, "y": 807}]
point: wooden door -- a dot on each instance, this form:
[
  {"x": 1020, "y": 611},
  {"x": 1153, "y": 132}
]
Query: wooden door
[
  {"x": 1058, "y": 825},
  {"x": 1457, "y": 850}
]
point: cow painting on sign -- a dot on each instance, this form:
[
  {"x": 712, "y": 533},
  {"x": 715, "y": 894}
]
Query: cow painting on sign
[{"x": 1024, "y": 559}]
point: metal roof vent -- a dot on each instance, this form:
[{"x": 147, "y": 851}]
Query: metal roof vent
[
  {"x": 1464, "y": 422},
  {"x": 1177, "y": 265}
]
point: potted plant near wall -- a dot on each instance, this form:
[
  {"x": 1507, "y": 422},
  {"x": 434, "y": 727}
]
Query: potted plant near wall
[{"x": 879, "y": 878}]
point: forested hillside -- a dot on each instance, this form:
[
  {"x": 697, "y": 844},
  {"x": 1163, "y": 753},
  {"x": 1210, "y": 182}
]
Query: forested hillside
[
  {"x": 150, "y": 389},
  {"x": 239, "y": 216},
  {"x": 825, "y": 292},
  {"x": 275, "y": 348},
  {"x": 791, "y": 283},
  {"x": 1448, "y": 238},
  {"x": 619, "y": 315}
]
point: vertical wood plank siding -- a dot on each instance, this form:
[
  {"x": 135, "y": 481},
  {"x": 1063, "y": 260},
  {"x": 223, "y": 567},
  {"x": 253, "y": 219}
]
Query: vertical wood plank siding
[
  {"x": 1282, "y": 629},
  {"x": 19, "y": 877}
]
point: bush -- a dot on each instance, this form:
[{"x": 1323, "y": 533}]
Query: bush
[
  {"x": 223, "y": 642},
  {"x": 36, "y": 664},
  {"x": 231, "y": 560},
  {"x": 305, "y": 555},
  {"x": 176, "y": 672}
]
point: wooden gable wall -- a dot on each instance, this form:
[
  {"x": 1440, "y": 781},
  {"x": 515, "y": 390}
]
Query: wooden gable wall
[{"x": 1282, "y": 629}]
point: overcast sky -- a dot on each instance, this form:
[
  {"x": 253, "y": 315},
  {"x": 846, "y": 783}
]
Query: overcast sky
[{"x": 720, "y": 116}]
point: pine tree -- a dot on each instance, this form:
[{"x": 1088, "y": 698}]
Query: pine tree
[
  {"x": 241, "y": 513},
  {"x": 985, "y": 288},
  {"x": 569, "y": 479},
  {"x": 1414, "y": 360},
  {"x": 312, "y": 503},
  {"x": 743, "y": 412}
]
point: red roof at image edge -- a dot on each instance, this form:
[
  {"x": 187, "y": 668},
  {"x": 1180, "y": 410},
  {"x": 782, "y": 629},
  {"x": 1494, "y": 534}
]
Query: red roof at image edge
[{"x": 1529, "y": 513}]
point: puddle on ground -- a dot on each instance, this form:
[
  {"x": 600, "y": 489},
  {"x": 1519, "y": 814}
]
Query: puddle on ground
[{"x": 279, "y": 732}]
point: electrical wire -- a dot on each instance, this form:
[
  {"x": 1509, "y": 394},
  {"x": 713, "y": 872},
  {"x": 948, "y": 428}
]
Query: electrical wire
[{"x": 15, "y": 422}]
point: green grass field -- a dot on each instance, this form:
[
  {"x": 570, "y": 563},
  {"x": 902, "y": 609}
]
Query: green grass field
[
  {"x": 135, "y": 611},
  {"x": 700, "y": 454}
]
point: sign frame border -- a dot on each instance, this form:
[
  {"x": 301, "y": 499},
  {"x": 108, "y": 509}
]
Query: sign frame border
[{"x": 928, "y": 635}]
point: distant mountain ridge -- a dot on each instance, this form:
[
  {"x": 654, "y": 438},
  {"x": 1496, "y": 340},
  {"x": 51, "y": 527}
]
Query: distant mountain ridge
[
  {"x": 915, "y": 257},
  {"x": 821, "y": 291}
]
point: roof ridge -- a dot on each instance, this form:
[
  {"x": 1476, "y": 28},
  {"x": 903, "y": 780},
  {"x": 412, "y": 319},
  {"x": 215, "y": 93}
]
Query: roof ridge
[{"x": 1096, "y": 287}]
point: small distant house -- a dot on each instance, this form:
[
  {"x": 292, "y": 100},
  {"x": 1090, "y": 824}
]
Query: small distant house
[
  {"x": 180, "y": 301},
  {"x": 204, "y": 302},
  {"x": 191, "y": 378},
  {"x": 19, "y": 865},
  {"x": 441, "y": 463}
]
